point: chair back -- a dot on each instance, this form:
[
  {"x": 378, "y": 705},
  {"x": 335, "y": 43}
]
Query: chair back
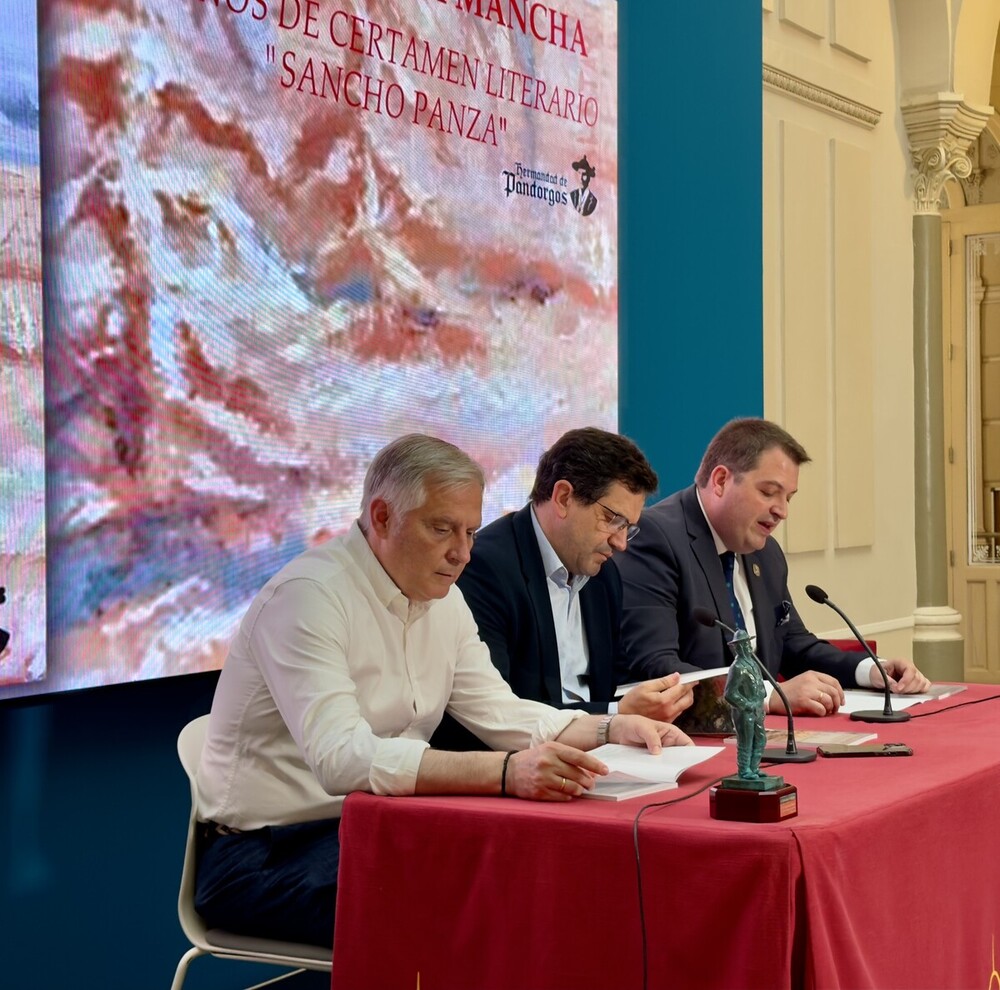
[
  {"x": 189, "y": 746},
  {"x": 214, "y": 941}
]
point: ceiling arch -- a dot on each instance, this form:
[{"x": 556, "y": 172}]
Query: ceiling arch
[{"x": 946, "y": 46}]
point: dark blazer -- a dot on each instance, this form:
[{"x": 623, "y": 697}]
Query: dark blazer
[
  {"x": 672, "y": 567},
  {"x": 505, "y": 586}
]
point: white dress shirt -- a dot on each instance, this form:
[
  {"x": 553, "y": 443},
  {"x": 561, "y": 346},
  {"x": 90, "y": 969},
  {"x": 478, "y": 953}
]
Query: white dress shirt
[
  {"x": 741, "y": 588},
  {"x": 564, "y": 594},
  {"x": 335, "y": 682}
]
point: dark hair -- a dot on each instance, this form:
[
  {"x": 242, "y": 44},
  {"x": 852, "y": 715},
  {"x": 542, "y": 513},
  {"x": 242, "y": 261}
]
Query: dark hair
[
  {"x": 592, "y": 460},
  {"x": 739, "y": 444}
]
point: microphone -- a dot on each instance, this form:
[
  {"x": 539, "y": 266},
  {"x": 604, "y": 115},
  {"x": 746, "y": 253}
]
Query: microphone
[
  {"x": 819, "y": 596},
  {"x": 791, "y": 752}
]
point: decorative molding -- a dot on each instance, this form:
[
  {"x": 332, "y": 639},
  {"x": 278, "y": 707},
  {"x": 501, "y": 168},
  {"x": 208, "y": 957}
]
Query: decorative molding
[
  {"x": 934, "y": 167},
  {"x": 870, "y": 630},
  {"x": 941, "y": 130},
  {"x": 820, "y": 98},
  {"x": 972, "y": 187},
  {"x": 984, "y": 153}
]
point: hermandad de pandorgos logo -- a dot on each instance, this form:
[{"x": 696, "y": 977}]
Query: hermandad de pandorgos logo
[{"x": 553, "y": 189}]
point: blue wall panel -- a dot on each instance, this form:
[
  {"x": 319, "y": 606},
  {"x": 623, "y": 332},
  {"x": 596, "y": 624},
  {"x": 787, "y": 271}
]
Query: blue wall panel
[{"x": 689, "y": 226}]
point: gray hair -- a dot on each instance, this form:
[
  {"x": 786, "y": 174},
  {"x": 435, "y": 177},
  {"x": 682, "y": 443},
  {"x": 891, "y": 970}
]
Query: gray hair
[{"x": 402, "y": 470}]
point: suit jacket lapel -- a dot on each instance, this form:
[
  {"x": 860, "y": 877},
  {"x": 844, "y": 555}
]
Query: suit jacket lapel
[
  {"x": 764, "y": 643},
  {"x": 538, "y": 593},
  {"x": 703, "y": 547}
]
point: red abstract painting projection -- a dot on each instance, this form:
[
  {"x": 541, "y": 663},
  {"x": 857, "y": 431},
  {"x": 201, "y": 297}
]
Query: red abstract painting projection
[{"x": 279, "y": 233}]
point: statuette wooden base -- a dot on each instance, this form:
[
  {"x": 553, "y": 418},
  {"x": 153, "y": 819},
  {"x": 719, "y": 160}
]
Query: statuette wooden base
[{"x": 769, "y": 799}]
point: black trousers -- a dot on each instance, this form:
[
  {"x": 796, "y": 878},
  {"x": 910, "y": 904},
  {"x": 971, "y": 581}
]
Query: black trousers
[{"x": 277, "y": 882}]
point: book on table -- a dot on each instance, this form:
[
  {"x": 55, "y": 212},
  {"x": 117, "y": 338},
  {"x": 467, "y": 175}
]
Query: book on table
[
  {"x": 862, "y": 699},
  {"x": 811, "y": 738},
  {"x": 634, "y": 771}
]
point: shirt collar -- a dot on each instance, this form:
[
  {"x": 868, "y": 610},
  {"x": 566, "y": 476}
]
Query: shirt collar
[
  {"x": 555, "y": 570},
  {"x": 385, "y": 588},
  {"x": 720, "y": 547}
]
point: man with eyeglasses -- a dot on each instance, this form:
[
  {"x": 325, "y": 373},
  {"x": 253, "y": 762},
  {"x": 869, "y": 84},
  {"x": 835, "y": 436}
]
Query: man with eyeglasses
[
  {"x": 545, "y": 603},
  {"x": 710, "y": 547}
]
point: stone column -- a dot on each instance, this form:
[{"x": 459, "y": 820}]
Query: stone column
[{"x": 941, "y": 130}]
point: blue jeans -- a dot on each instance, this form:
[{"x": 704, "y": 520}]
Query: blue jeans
[{"x": 276, "y": 882}]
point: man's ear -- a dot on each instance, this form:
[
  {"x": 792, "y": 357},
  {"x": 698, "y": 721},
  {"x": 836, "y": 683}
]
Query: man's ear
[
  {"x": 379, "y": 516},
  {"x": 719, "y": 478},
  {"x": 562, "y": 494}
]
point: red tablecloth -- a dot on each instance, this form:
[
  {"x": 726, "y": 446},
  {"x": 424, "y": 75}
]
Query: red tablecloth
[{"x": 888, "y": 877}]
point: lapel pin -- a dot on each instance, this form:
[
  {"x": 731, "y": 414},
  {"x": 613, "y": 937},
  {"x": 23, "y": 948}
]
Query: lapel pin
[{"x": 756, "y": 570}]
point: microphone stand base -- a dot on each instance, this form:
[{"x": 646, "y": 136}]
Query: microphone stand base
[
  {"x": 880, "y": 717},
  {"x": 780, "y": 756}
]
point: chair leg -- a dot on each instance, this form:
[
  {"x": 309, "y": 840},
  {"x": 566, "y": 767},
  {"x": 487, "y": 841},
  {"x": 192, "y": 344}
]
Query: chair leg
[
  {"x": 276, "y": 979},
  {"x": 182, "y": 966}
]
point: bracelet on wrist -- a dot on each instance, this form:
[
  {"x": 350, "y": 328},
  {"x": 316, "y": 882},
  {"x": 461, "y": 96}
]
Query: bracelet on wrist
[{"x": 503, "y": 773}]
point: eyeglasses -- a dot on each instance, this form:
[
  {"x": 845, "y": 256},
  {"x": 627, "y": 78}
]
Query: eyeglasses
[{"x": 618, "y": 522}]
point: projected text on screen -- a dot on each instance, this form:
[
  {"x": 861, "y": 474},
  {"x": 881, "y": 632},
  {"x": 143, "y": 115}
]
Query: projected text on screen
[{"x": 277, "y": 234}]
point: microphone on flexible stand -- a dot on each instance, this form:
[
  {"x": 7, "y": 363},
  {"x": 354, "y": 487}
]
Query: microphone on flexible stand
[
  {"x": 819, "y": 596},
  {"x": 791, "y": 752}
]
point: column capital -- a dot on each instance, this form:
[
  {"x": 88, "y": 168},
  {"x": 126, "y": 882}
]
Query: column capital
[{"x": 941, "y": 129}]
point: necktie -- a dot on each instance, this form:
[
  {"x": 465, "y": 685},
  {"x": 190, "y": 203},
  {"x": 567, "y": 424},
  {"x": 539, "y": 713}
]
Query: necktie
[{"x": 728, "y": 565}]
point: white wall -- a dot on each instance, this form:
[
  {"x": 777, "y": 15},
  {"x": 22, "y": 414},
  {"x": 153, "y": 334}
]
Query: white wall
[{"x": 838, "y": 307}]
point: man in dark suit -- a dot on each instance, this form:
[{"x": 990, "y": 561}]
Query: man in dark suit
[
  {"x": 747, "y": 477},
  {"x": 545, "y": 603}
]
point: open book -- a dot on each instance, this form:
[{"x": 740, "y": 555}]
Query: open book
[
  {"x": 709, "y": 714},
  {"x": 864, "y": 699},
  {"x": 687, "y": 677},
  {"x": 634, "y": 771}
]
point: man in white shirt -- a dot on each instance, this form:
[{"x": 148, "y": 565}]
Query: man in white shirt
[{"x": 341, "y": 670}]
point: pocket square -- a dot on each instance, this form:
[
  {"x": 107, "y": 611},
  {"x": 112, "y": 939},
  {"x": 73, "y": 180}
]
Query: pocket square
[{"x": 782, "y": 613}]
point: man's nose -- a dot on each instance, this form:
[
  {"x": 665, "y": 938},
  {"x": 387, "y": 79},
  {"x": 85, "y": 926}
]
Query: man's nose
[
  {"x": 619, "y": 540},
  {"x": 460, "y": 550}
]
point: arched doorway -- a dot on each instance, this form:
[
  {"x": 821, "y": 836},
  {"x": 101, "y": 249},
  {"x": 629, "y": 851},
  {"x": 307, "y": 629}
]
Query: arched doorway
[{"x": 970, "y": 217}]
